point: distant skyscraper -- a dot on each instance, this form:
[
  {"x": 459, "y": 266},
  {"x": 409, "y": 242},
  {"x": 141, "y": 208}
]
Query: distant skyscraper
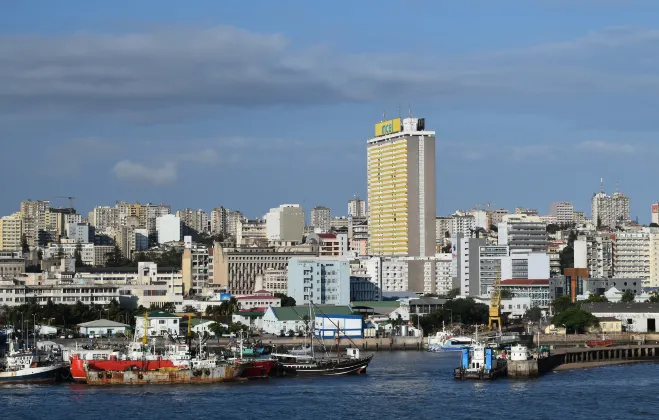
[
  {"x": 321, "y": 218},
  {"x": 610, "y": 211},
  {"x": 401, "y": 194},
  {"x": 356, "y": 207},
  {"x": 220, "y": 220}
]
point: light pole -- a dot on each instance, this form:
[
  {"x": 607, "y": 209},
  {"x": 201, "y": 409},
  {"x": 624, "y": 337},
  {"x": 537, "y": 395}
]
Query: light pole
[
  {"x": 451, "y": 311},
  {"x": 565, "y": 326}
]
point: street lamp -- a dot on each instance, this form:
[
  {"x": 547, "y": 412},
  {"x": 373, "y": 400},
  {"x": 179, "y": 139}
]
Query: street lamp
[
  {"x": 451, "y": 311},
  {"x": 565, "y": 326}
]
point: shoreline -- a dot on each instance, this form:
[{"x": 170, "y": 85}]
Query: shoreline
[{"x": 586, "y": 365}]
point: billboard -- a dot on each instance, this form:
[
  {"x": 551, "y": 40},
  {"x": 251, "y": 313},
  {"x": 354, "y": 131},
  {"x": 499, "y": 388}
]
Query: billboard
[
  {"x": 387, "y": 127},
  {"x": 225, "y": 296},
  {"x": 655, "y": 208}
]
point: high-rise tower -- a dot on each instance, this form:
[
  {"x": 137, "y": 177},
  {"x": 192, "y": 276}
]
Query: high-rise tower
[{"x": 401, "y": 188}]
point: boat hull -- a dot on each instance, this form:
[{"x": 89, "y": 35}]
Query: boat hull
[
  {"x": 166, "y": 376},
  {"x": 330, "y": 368},
  {"x": 46, "y": 374},
  {"x": 80, "y": 367},
  {"x": 258, "y": 369}
]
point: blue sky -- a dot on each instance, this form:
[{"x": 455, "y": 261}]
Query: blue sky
[{"x": 253, "y": 104}]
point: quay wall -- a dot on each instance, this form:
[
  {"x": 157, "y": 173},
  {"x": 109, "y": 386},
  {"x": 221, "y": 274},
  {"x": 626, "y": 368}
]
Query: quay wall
[{"x": 364, "y": 344}]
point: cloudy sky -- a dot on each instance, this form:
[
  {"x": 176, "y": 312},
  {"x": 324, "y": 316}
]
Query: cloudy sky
[{"x": 254, "y": 104}]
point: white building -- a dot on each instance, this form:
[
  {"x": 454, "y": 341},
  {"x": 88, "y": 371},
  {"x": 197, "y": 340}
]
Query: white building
[
  {"x": 563, "y": 211},
  {"x": 330, "y": 244},
  {"x": 328, "y": 327},
  {"x": 159, "y": 324},
  {"x": 260, "y": 299},
  {"x": 293, "y": 318},
  {"x": 636, "y": 317},
  {"x": 102, "y": 327},
  {"x": 631, "y": 256},
  {"x": 250, "y": 232},
  {"x": 275, "y": 281},
  {"x": 655, "y": 213},
  {"x": 462, "y": 224},
  {"x": 321, "y": 218},
  {"x": 443, "y": 274},
  {"x": 357, "y": 207},
  {"x": 285, "y": 223},
  {"x": 443, "y": 227},
  {"x": 321, "y": 280},
  {"x": 168, "y": 228}
]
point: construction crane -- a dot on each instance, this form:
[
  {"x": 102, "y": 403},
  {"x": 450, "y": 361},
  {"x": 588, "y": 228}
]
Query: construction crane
[
  {"x": 71, "y": 199},
  {"x": 495, "y": 304}
]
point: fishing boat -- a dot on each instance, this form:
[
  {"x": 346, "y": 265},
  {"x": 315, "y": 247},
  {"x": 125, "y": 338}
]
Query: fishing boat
[
  {"x": 254, "y": 366},
  {"x": 33, "y": 366}
]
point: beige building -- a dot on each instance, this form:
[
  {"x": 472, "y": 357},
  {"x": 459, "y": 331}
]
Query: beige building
[
  {"x": 285, "y": 223},
  {"x": 194, "y": 221},
  {"x": 11, "y": 228},
  {"x": 251, "y": 232},
  {"x": 632, "y": 256},
  {"x": 12, "y": 264},
  {"x": 321, "y": 218},
  {"x": 236, "y": 269},
  {"x": 34, "y": 215}
]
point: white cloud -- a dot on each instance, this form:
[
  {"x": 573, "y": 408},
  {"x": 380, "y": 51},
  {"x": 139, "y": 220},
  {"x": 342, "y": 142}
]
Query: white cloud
[
  {"x": 131, "y": 171},
  {"x": 607, "y": 147},
  {"x": 531, "y": 151}
]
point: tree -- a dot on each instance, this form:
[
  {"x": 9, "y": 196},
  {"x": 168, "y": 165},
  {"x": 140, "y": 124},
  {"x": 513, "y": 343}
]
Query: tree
[
  {"x": 506, "y": 294},
  {"x": 654, "y": 298},
  {"x": 77, "y": 254},
  {"x": 447, "y": 234},
  {"x": 533, "y": 314},
  {"x": 285, "y": 300},
  {"x": 115, "y": 258},
  {"x": 599, "y": 222},
  {"x": 494, "y": 228},
  {"x": 566, "y": 258},
  {"x": 628, "y": 296},
  {"x": 561, "y": 304},
  {"x": 24, "y": 245},
  {"x": 575, "y": 319},
  {"x": 169, "y": 307},
  {"x": 596, "y": 299},
  {"x": 453, "y": 293},
  {"x": 654, "y": 225},
  {"x": 553, "y": 228}
]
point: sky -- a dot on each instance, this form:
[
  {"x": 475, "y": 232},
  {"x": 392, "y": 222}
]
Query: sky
[{"x": 254, "y": 104}]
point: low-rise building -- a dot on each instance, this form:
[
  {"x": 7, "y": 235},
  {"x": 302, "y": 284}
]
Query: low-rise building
[
  {"x": 297, "y": 318},
  {"x": 160, "y": 323},
  {"x": 102, "y": 327},
  {"x": 515, "y": 307},
  {"x": 638, "y": 317},
  {"x": 535, "y": 289},
  {"x": 260, "y": 299},
  {"x": 12, "y": 264},
  {"x": 609, "y": 325}
]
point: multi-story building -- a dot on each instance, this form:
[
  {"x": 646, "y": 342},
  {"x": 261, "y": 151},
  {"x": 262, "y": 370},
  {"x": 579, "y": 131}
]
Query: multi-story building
[
  {"x": 599, "y": 255},
  {"x": 78, "y": 232},
  {"x": 464, "y": 224},
  {"x": 13, "y": 293},
  {"x": 579, "y": 218},
  {"x": 339, "y": 223},
  {"x": 168, "y": 228},
  {"x": 528, "y": 212},
  {"x": 330, "y": 244},
  {"x": 104, "y": 217},
  {"x": 285, "y": 223},
  {"x": 219, "y": 221},
  {"x": 535, "y": 289},
  {"x": 194, "y": 221},
  {"x": 401, "y": 194},
  {"x": 321, "y": 280},
  {"x": 321, "y": 218},
  {"x": 251, "y": 232},
  {"x": 356, "y": 207},
  {"x": 358, "y": 235},
  {"x": 153, "y": 212},
  {"x": 492, "y": 261},
  {"x": 233, "y": 218},
  {"x": 610, "y": 211},
  {"x": 236, "y": 269},
  {"x": 654, "y": 257},
  {"x": 12, "y": 264},
  {"x": 34, "y": 219},
  {"x": 563, "y": 211},
  {"x": 443, "y": 228},
  {"x": 131, "y": 240},
  {"x": 196, "y": 267},
  {"x": 401, "y": 188},
  {"x": 631, "y": 255},
  {"x": 496, "y": 216},
  {"x": 443, "y": 274},
  {"x": 523, "y": 232},
  {"x": 655, "y": 214},
  {"x": 11, "y": 229},
  {"x": 275, "y": 281}
]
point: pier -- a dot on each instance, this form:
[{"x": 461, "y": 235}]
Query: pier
[{"x": 575, "y": 358}]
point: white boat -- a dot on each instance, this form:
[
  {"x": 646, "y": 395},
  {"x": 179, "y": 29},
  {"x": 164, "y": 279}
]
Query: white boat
[{"x": 446, "y": 341}]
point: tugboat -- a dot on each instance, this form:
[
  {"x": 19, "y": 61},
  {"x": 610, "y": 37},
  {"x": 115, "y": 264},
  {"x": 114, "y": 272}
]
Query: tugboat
[
  {"x": 480, "y": 363},
  {"x": 33, "y": 366}
]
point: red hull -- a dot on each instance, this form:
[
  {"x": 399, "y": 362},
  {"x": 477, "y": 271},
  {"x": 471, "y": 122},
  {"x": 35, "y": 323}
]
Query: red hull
[
  {"x": 600, "y": 343},
  {"x": 78, "y": 366},
  {"x": 258, "y": 369}
]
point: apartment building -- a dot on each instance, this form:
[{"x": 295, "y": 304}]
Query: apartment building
[
  {"x": 285, "y": 223},
  {"x": 563, "y": 211},
  {"x": 11, "y": 229},
  {"x": 321, "y": 218},
  {"x": 321, "y": 280},
  {"x": 219, "y": 221},
  {"x": 251, "y": 232},
  {"x": 610, "y": 211},
  {"x": 329, "y": 244},
  {"x": 12, "y": 264},
  {"x": 194, "y": 221},
  {"x": 356, "y": 207},
  {"x": 443, "y": 274},
  {"x": 523, "y": 232},
  {"x": 631, "y": 255}
]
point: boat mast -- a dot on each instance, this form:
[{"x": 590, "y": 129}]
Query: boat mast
[{"x": 311, "y": 331}]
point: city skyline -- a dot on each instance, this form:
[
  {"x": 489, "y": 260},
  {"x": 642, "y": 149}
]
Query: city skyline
[{"x": 532, "y": 113}]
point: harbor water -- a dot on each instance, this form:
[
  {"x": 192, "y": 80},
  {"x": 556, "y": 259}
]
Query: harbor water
[{"x": 398, "y": 385}]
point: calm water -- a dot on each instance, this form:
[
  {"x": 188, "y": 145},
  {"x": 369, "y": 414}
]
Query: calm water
[{"x": 398, "y": 385}]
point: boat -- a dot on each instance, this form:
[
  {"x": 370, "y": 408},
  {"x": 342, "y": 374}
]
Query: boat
[
  {"x": 479, "y": 362},
  {"x": 31, "y": 366},
  {"x": 310, "y": 365},
  {"x": 445, "y": 341},
  {"x": 254, "y": 366},
  {"x": 600, "y": 343},
  {"x": 200, "y": 372}
]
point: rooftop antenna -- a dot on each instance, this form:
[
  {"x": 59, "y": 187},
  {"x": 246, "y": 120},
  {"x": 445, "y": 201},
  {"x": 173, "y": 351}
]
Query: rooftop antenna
[
  {"x": 617, "y": 185},
  {"x": 602, "y": 185},
  {"x": 409, "y": 110},
  {"x": 398, "y": 110},
  {"x": 384, "y": 115}
]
